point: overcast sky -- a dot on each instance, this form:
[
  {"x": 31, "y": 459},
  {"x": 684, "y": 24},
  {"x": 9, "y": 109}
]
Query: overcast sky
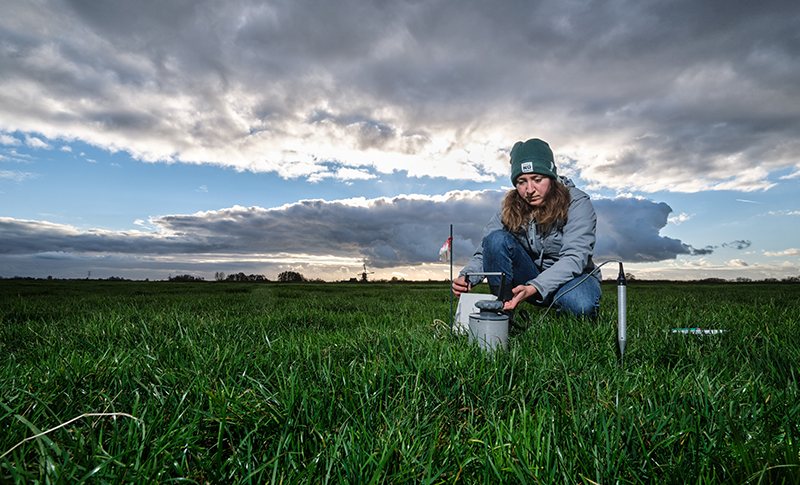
[{"x": 149, "y": 138}]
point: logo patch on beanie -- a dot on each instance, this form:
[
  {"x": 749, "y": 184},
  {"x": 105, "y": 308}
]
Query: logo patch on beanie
[{"x": 527, "y": 167}]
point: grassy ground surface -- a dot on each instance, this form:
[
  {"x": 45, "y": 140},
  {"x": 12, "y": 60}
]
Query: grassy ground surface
[{"x": 338, "y": 383}]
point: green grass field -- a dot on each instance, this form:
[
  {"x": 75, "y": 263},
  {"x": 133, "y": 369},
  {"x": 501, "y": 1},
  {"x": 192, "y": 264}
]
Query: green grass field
[{"x": 354, "y": 383}]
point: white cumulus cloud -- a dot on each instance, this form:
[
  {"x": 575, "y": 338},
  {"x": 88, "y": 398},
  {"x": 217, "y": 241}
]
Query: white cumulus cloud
[{"x": 786, "y": 252}]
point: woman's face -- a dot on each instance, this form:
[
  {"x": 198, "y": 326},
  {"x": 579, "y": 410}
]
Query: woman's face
[{"x": 533, "y": 187}]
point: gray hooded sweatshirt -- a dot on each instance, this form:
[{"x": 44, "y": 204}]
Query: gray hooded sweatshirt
[{"x": 561, "y": 255}]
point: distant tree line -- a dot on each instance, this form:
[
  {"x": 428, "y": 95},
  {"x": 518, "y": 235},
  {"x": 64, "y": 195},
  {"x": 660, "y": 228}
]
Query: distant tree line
[
  {"x": 186, "y": 278},
  {"x": 291, "y": 277},
  {"x": 284, "y": 277},
  {"x": 240, "y": 278}
]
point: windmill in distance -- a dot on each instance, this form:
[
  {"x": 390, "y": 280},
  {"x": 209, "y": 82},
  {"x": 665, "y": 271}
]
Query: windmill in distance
[{"x": 365, "y": 273}]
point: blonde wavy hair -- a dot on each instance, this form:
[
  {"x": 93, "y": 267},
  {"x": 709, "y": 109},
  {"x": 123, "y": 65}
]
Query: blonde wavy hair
[{"x": 552, "y": 212}]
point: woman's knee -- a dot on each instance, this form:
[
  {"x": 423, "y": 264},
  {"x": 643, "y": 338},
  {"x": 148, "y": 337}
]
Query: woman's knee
[
  {"x": 583, "y": 301},
  {"x": 578, "y": 308},
  {"x": 499, "y": 238},
  {"x": 498, "y": 246}
]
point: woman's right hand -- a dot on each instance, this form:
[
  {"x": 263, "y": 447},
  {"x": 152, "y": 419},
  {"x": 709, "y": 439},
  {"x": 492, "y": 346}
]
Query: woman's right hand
[{"x": 460, "y": 285}]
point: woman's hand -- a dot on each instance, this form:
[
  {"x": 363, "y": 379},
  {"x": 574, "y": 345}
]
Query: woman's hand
[
  {"x": 460, "y": 285},
  {"x": 521, "y": 293}
]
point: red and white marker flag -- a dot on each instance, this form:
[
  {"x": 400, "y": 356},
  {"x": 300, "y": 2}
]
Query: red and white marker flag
[{"x": 446, "y": 251}]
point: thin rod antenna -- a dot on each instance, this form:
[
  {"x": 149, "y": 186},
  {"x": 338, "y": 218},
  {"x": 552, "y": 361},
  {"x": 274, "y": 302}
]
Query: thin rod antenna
[
  {"x": 452, "y": 254},
  {"x": 622, "y": 313}
]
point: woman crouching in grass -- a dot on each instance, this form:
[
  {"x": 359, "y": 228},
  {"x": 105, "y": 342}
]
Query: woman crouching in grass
[{"x": 542, "y": 239}]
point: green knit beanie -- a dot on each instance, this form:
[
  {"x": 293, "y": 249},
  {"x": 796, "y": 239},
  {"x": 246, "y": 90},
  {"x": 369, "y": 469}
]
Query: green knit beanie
[{"x": 533, "y": 156}]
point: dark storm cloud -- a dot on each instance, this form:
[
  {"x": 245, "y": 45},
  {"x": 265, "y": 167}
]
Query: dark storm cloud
[
  {"x": 383, "y": 232},
  {"x": 628, "y": 229},
  {"x": 650, "y": 95},
  {"x": 738, "y": 244},
  {"x": 21, "y": 237},
  {"x": 701, "y": 251}
]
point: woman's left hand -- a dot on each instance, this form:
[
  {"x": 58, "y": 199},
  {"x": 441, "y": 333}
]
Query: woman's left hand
[{"x": 521, "y": 293}]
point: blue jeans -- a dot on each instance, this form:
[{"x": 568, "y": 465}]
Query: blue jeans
[{"x": 503, "y": 252}]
